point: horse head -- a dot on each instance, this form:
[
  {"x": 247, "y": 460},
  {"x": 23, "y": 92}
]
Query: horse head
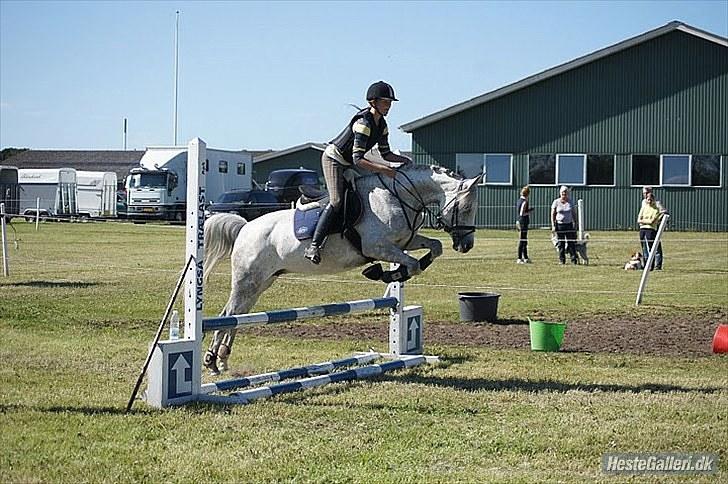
[{"x": 457, "y": 216}]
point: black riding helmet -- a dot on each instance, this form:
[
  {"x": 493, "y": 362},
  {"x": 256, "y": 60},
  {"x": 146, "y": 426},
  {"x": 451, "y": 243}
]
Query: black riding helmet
[{"x": 380, "y": 90}]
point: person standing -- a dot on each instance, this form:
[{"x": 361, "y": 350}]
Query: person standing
[
  {"x": 563, "y": 214},
  {"x": 368, "y": 128},
  {"x": 648, "y": 219},
  {"x": 523, "y": 214}
]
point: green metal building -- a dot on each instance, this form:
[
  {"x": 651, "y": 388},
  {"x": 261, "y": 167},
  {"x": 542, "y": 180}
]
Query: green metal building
[
  {"x": 307, "y": 156},
  {"x": 651, "y": 110}
]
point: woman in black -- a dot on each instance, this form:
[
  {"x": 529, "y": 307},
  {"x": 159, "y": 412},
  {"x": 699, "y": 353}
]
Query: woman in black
[
  {"x": 523, "y": 213},
  {"x": 365, "y": 130}
]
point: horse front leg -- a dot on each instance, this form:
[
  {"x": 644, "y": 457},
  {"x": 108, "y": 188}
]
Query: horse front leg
[
  {"x": 421, "y": 242},
  {"x": 408, "y": 265}
]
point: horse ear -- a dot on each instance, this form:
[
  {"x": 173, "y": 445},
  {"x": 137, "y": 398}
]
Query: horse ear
[{"x": 472, "y": 183}]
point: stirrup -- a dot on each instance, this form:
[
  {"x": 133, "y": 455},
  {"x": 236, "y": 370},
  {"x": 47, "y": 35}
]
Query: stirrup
[{"x": 313, "y": 253}]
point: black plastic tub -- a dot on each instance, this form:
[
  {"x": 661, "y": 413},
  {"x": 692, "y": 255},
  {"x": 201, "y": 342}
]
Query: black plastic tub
[{"x": 478, "y": 306}]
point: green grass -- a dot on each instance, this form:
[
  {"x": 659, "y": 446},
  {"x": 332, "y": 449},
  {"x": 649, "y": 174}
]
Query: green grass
[{"x": 83, "y": 302}]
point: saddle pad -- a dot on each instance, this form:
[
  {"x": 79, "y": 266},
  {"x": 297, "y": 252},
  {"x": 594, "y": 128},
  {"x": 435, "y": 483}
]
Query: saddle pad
[{"x": 304, "y": 223}]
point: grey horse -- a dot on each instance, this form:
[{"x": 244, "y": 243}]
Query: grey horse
[{"x": 392, "y": 212}]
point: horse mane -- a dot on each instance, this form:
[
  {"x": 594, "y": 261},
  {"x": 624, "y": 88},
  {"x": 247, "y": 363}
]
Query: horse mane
[{"x": 434, "y": 168}]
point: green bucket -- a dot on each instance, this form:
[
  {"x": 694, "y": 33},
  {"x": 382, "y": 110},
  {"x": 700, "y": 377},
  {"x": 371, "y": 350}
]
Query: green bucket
[{"x": 546, "y": 336}]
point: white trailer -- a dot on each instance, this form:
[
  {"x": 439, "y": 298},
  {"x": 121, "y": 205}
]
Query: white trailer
[
  {"x": 56, "y": 188},
  {"x": 157, "y": 189},
  {"x": 96, "y": 193}
]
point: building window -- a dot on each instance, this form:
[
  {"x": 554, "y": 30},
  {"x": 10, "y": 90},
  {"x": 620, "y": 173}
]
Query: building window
[
  {"x": 705, "y": 171},
  {"x": 469, "y": 165},
  {"x": 541, "y": 169},
  {"x": 675, "y": 170},
  {"x": 645, "y": 170},
  {"x": 222, "y": 166},
  {"x": 570, "y": 169},
  {"x": 498, "y": 169},
  {"x": 241, "y": 168},
  {"x": 207, "y": 165},
  {"x": 600, "y": 170}
]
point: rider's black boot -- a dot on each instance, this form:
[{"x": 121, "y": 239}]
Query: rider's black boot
[{"x": 313, "y": 251}]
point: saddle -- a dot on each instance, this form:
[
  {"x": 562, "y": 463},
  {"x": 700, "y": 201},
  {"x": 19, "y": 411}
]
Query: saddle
[{"x": 312, "y": 202}]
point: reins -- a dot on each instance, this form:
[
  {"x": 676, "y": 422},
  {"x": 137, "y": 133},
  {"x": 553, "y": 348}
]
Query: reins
[{"x": 423, "y": 210}]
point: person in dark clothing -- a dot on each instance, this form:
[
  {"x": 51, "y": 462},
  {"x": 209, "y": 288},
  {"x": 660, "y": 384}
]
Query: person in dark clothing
[
  {"x": 523, "y": 212},
  {"x": 368, "y": 128}
]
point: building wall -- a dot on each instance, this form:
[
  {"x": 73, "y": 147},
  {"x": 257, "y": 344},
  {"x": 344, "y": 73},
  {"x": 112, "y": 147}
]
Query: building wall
[
  {"x": 310, "y": 158},
  {"x": 668, "y": 95}
]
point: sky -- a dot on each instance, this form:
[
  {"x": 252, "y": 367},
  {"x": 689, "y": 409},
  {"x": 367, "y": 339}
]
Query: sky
[{"x": 273, "y": 75}]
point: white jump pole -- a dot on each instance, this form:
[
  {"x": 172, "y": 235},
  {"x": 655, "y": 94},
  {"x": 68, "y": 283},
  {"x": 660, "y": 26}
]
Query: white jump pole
[
  {"x": 580, "y": 215},
  {"x": 6, "y": 270},
  {"x": 37, "y": 213},
  {"x": 648, "y": 264}
]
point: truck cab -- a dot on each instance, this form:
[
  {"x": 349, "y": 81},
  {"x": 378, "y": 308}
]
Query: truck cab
[
  {"x": 157, "y": 188},
  {"x": 150, "y": 195}
]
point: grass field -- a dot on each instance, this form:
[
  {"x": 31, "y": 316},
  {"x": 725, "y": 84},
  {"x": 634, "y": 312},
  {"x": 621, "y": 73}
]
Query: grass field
[{"x": 83, "y": 301}]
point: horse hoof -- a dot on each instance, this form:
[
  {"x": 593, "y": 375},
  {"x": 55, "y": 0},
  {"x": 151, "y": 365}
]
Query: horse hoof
[{"x": 373, "y": 272}]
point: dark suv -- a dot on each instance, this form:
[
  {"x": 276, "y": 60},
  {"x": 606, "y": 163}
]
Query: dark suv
[
  {"x": 249, "y": 204},
  {"x": 285, "y": 183}
]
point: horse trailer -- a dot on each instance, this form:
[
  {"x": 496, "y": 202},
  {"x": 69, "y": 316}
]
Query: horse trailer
[
  {"x": 55, "y": 187},
  {"x": 96, "y": 193}
]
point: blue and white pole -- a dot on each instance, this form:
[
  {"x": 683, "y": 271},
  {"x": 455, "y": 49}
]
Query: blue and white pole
[{"x": 248, "y": 396}]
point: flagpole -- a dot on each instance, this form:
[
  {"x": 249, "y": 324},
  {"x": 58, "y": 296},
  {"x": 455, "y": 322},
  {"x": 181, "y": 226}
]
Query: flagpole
[{"x": 176, "y": 76}]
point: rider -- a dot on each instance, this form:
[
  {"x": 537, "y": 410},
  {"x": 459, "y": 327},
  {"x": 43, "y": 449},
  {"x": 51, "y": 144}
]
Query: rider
[{"x": 366, "y": 129}]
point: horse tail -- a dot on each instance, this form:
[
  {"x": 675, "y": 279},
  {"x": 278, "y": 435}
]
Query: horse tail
[{"x": 221, "y": 230}]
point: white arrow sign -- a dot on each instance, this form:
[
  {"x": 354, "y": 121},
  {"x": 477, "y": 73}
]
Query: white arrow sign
[
  {"x": 412, "y": 332},
  {"x": 183, "y": 386}
]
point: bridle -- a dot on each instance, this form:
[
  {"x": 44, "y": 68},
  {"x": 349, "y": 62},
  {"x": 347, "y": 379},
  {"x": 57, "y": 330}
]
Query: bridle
[{"x": 454, "y": 228}]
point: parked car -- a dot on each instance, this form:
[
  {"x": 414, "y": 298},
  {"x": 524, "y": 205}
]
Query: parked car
[
  {"x": 285, "y": 183},
  {"x": 249, "y": 204}
]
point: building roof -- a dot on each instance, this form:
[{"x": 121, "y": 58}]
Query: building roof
[
  {"x": 275, "y": 154},
  {"x": 117, "y": 161},
  {"x": 560, "y": 69}
]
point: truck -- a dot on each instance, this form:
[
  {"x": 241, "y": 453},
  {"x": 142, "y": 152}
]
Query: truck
[
  {"x": 9, "y": 190},
  {"x": 157, "y": 188},
  {"x": 56, "y": 188},
  {"x": 96, "y": 194}
]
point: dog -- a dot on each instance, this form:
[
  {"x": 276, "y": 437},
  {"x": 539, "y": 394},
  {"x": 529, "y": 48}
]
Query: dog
[
  {"x": 635, "y": 263},
  {"x": 580, "y": 246}
]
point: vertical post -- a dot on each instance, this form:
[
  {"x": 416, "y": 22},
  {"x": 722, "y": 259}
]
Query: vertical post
[
  {"x": 6, "y": 270},
  {"x": 176, "y": 77},
  {"x": 650, "y": 259},
  {"x": 37, "y": 212},
  {"x": 195, "y": 240},
  {"x": 396, "y": 290},
  {"x": 580, "y": 214}
]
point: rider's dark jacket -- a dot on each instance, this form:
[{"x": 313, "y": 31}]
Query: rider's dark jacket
[{"x": 361, "y": 135}]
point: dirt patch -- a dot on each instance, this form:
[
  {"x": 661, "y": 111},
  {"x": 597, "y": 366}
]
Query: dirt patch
[{"x": 675, "y": 336}]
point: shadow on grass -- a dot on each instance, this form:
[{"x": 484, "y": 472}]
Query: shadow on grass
[
  {"x": 53, "y": 284},
  {"x": 80, "y": 410},
  {"x": 537, "y": 386}
]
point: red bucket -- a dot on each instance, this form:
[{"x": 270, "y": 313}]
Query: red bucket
[{"x": 720, "y": 339}]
